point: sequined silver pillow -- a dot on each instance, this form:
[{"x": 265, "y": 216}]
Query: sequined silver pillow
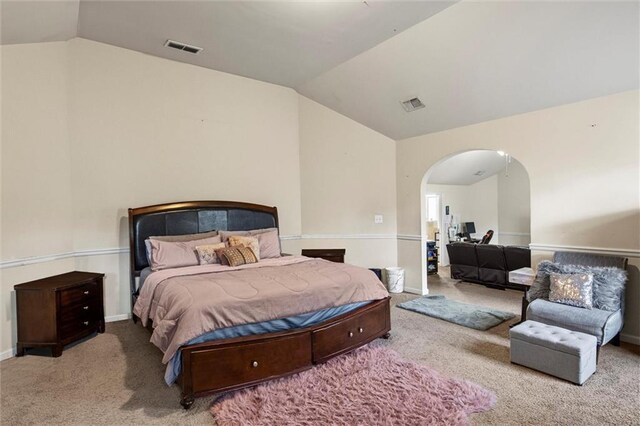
[{"x": 572, "y": 289}]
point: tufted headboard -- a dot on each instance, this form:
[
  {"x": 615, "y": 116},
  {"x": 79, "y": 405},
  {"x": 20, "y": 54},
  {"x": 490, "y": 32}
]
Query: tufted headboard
[{"x": 191, "y": 217}]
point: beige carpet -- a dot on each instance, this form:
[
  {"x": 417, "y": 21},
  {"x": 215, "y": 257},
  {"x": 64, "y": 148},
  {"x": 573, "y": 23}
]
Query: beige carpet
[{"x": 117, "y": 377}]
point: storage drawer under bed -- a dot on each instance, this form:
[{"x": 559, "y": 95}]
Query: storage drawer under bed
[
  {"x": 346, "y": 335},
  {"x": 223, "y": 368}
]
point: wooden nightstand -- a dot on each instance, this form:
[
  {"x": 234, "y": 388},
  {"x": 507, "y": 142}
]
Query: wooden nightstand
[
  {"x": 55, "y": 311},
  {"x": 334, "y": 255}
]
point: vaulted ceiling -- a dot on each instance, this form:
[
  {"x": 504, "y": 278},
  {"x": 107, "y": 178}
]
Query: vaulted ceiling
[{"x": 467, "y": 61}]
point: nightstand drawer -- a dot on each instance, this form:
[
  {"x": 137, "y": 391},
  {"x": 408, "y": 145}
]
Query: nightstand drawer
[
  {"x": 81, "y": 294},
  {"x": 78, "y": 326},
  {"x": 83, "y": 311}
]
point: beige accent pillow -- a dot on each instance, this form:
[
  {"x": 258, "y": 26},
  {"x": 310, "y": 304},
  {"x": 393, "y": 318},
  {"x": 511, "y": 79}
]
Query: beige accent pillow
[
  {"x": 207, "y": 253},
  {"x": 250, "y": 242},
  {"x": 177, "y": 254},
  {"x": 235, "y": 256},
  {"x": 267, "y": 238}
]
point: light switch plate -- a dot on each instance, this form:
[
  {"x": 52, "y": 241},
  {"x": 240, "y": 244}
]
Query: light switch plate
[{"x": 377, "y": 218}]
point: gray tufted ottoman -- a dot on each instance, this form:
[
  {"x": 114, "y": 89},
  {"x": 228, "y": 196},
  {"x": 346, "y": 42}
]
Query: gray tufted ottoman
[{"x": 566, "y": 354}]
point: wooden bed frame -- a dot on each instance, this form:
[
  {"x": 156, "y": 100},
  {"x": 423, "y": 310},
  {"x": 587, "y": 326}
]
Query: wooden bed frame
[{"x": 229, "y": 364}]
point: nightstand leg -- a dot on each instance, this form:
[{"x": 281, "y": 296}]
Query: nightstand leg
[
  {"x": 19, "y": 349},
  {"x": 101, "y": 327},
  {"x": 56, "y": 351}
]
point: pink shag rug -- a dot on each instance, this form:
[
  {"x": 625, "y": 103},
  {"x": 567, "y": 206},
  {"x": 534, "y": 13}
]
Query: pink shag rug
[{"x": 370, "y": 386}]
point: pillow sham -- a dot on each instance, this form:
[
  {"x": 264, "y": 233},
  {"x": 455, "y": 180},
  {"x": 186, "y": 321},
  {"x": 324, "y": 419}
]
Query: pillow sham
[
  {"x": 608, "y": 283},
  {"x": 176, "y": 254},
  {"x": 572, "y": 289},
  {"x": 267, "y": 238},
  {"x": 251, "y": 242},
  {"x": 235, "y": 256},
  {"x": 207, "y": 253},
  {"x": 185, "y": 237}
]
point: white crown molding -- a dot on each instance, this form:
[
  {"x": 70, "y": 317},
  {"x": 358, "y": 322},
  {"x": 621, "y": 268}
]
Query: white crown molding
[{"x": 585, "y": 249}]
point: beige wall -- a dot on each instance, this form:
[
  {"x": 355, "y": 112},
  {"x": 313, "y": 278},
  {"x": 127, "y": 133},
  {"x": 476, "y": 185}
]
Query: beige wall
[
  {"x": 35, "y": 170},
  {"x": 93, "y": 129},
  {"x": 514, "y": 205},
  {"x": 347, "y": 177},
  {"x": 583, "y": 164}
]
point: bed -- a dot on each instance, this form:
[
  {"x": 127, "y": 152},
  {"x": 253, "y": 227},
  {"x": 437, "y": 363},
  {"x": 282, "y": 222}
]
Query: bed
[{"x": 227, "y": 359}]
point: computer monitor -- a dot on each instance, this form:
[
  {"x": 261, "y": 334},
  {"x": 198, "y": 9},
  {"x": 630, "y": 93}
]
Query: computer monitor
[{"x": 469, "y": 228}]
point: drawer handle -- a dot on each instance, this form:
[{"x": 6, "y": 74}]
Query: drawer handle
[
  {"x": 86, "y": 292},
  {"x": 360, "y": 330},
  {"x": 86, "y": 308},
  {"x": 351, "y": 334},
  {"x": 254, "y": 364},
  {"x": 86, "y": 322}
]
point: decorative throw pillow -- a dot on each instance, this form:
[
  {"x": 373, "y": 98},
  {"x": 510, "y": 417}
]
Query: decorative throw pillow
[
  {"x": 250, "y": 242},
  {"x": 572, "y": 289},
  {"x": 169, "y": 254},
  {"x": 608, "y": 283},
  {"x": 207, "y": 253},
  {"x": 267, "y": 237},
  {"x": 235, "y": 256}
]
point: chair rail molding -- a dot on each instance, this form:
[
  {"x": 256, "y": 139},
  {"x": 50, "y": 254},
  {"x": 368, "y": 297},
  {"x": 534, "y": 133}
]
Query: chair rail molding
[
  {"x": 25, "y": 261},
  {"x": 586, "y": 249}
]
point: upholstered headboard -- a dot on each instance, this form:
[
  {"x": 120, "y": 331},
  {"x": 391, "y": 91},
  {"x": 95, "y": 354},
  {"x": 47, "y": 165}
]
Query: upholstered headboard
[{"x": 191, "y": 217}]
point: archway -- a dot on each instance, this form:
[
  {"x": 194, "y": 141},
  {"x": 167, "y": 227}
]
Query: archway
[{"x": 482, "y": 189}]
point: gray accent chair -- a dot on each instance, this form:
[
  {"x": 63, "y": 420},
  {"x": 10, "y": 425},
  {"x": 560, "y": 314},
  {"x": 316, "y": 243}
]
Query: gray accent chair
[{"x": 604, "y": 325}]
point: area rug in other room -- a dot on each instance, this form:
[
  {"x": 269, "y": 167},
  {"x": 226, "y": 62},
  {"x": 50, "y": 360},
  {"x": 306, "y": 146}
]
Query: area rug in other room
[
  {"x": 472, "y": 316},
  {"x": 370, "y": 386}
]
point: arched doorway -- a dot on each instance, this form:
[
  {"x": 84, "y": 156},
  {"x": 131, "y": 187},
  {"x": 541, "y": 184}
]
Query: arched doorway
[{"x": 472, "y": 191}]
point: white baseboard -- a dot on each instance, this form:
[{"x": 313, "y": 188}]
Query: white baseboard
[
  {"x": 120, "y": 317},
  {"x": 9, "y": 353},
  {"x": 413, "y": 290}
]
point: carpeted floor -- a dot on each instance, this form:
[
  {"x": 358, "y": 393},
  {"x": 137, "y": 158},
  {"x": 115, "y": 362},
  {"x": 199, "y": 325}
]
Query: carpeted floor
[{"x": 117, "y": 377}]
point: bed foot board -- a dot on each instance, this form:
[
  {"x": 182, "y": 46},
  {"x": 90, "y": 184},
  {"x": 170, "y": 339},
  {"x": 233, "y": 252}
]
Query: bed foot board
[{"x": 187, "y": 401}]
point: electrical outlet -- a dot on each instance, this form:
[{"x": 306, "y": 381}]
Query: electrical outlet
[{"x": 377, "y": 218}]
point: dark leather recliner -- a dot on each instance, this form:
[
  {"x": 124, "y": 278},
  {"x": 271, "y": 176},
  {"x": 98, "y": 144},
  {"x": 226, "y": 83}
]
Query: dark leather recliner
[
  {"x": 466, "y": 265},
  {"x": 492, "y": 265},
  {"x": 487, "y": 264}
]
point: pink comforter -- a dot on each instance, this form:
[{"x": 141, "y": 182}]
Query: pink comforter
[{"x": 187, "y": 302}]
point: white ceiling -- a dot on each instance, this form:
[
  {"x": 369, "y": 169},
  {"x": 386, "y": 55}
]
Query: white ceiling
[
  {"x": 38, "y": 21},
  {"x": 478, "y": 61},
  {"x": 461, "y": 168},
  {"x": 468, "y": 62}
]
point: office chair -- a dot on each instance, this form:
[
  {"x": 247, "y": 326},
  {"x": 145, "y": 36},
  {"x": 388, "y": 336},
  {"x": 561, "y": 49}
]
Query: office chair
[{"x": 487, "y": 237}]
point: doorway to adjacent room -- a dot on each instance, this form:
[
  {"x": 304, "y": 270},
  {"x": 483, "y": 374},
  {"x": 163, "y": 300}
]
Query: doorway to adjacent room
[{"x": 470, "y": 196}]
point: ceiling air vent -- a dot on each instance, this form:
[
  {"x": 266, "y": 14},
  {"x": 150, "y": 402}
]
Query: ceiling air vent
[
  {"x": 412, "y": 104},
  {"x": 182, "y": 46}
]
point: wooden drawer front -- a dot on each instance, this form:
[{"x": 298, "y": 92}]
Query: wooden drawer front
[
  {"x": 81, "y": 294},
  {"x": 349, "y": 334},
  {"x": 223, "y": 368},
  {"x": 78, "y": 326},
  {"x": 90, "y": 310}
]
